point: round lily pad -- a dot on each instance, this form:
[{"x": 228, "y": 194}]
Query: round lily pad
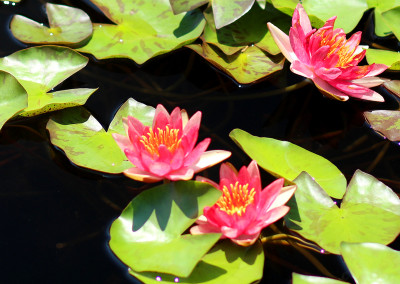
[
  {"x": 386, "y": 122},
  {"x": 287, "y": 160},
  {"x": 369, "y": 212},
  {"x": 142, "y": 30},
  {"x": 390, "y": 58},
  {"x": 68, "y": 25}
]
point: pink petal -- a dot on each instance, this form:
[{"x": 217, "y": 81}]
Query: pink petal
[
  {"x": 318, "y": 57},
  {"x": 246, "y": 240},
  {"x": 210, "y": 158},
  {"x": 185, "y": 118},
  {"x": 159, "y": 168},
  {"x": 302, "y": 69},
  {"x": 376, "y": 69},
  {"x": 181, "y": 174},
  {"x": 329, "y": 90},
  {"x": 229, "y": 232},
  {"x": 195, "y": 154},
  {"x": 282, "y": 41},
  {"x": 267, "y": 219},
  {"x": 203, "y": 179},
  {"x": 204, "y": 229},
  {"x": 269, "y": 194},
  {"x": 140, "y": 175},
  {"x": 297, "y": 41},
  {"x": 177, "y": 159},
  {"x": 176, "y": 119},
  {"x": 122, "y": 141},
  {"x": 328, "y": 74},
  {"x": 370, "y": 82},
  {"x": 161, "y": 118},
  {"x": 301, "y": 16},
  {"x": 284, "y": 195},
  {"x": 228, "y": 171}
]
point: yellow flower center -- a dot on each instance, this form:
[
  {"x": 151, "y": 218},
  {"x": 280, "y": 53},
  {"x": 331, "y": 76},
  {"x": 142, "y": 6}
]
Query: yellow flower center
[
  {"x": 236, "y": 199},
  {"x": 167, "y": 137},
  {"x": 338, "y": 45}
]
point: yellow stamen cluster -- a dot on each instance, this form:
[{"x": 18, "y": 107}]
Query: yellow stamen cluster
[
  {"x": 337, "y": 45},
  {"x": 167, "y": 137},
  {"x": 236, "y": 199}
]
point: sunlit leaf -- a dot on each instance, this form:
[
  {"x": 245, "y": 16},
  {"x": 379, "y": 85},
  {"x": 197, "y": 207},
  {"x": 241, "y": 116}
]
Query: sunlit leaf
[
  {"x": 142, "y": 30},
  {"x": 13, "y": 97},
  {"x": 224, "y": 263},
  {"x": 39, "y": 70},
  {"x": 381, "y": 26},
  {"x": 87, "y": 144},
  {"x": 245, "y": 66},
  {"x": 369, "y": 212},
  {"x": 67, "y": 25},
  {"x": 372, "y": 263},
  {"x": 284, "y": 159},
  {"x": 386, "y": 122},
  {"x": 392, "y": 19},
  {"x": 251, "y": 29},
  {"x": 179, "y": 6},
  {"x": 348, "y": 13},
  {"x": 148, "y": 234},
  {"x": 305, "y": 279},
  {"x": 227, "y": 11},
  {"x": 390, "y": 58}
]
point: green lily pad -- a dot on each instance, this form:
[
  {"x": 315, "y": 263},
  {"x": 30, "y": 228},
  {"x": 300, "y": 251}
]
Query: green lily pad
[
  {"x": 245, "y": 66},
  {"x": 390, "y": 58},
  {"x": 348, "y": 13},
  {"x": 287, "y": 160},
  {"x": 224, "y": 263},
  {"x": 372, "y": 263},
  {"x": 13, "y": 97},
  {"x": 386, "y": 122},
  {"x": 180, "y": 6},
  {"x": 227, "y": 11},
  {"x": 148, "y": 234},
  {"x": 251, "y": 29},
  {"x": 142, "y": 30},
  {"x": 68, "y": 25},
  {"x": 369, "y": 212},
  {"x": 390, "y": 18},
  {"x": 305, "y": 279},
  {"x": 39, "y": 70},
  {"x": 87, "y": 144}
]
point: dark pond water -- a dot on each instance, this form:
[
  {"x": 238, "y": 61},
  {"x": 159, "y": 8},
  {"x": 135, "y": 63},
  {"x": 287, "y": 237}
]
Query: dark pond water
[{"x": 55, "y": 216}]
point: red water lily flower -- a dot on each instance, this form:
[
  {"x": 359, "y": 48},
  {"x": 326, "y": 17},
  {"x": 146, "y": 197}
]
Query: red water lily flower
[
  {"x": 167, "y": 149},
  {"x": 244, "y": 209},
  {"x": 328, "y": 58}
]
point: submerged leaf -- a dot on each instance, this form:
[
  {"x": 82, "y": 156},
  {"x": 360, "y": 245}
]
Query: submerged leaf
[
  {"x": 224, "y": 263},
  {"x": 369, "y": 212},
  {"x": 142, "y": 30},
  {"x": 386, "y": 122},
  {"x": 67, "y": 25},
  {"x": 287, "y": 160},
  {"x": 148, "y": 234},
  {"x": 87, "y": 144},
  {"x": 13, "y": 97}
]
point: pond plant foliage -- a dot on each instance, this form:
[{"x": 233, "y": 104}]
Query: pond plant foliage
[{"x": 187, "y": 228}]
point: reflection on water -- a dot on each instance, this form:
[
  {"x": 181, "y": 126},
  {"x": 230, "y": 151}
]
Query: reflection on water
[{"x": 55, "y": 216}]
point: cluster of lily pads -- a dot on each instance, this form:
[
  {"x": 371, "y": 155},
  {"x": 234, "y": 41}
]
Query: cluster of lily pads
[{"x": 154, "y": 235}]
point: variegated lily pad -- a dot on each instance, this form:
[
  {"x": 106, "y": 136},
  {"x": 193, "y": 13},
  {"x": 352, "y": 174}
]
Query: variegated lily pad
[
  {"x": 390, "y": 58},
  {"x": 225, "y": 11},
  {"x": 251, "y": 29},
  {"x": 142, "y": 30},
  {"x": 13, "y": 97},
  {"x": 386, "y": 122},
  {"x": 87, "y": 144},
  {"x": 245, "y": 66},
  {"x": 68, "y": 25},
  {"x": 39, "y": 70},
  {"x": 369, "y": 212}
]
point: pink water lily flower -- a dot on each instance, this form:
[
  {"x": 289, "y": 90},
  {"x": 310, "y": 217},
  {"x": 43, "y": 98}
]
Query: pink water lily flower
[
  {"x": 166, "y": 150},
  {"x": 244, "y": 209},
  {"x": 328, "y": 58}
]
